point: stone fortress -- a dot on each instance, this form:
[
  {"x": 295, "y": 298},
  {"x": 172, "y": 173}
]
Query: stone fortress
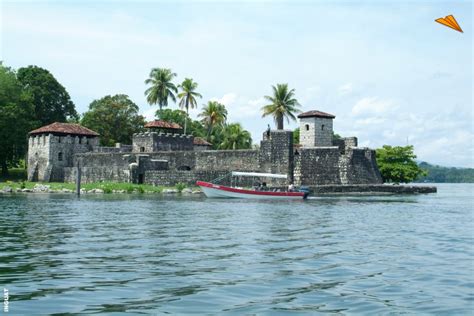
[{"x": 164, "y": 156}]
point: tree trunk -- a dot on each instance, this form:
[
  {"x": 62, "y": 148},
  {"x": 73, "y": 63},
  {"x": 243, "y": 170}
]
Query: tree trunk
[
  {"x": 209, "y": 129},
  {"x": 187, "y": 114},
  {"x": 4, "y": 169},
  {"x": 280, "y": 122}
]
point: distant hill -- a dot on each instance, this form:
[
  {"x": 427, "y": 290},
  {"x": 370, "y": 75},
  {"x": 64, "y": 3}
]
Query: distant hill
[{"x": 440, "y": 174}]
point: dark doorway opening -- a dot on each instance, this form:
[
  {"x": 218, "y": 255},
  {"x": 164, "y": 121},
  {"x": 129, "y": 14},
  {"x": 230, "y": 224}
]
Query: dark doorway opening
[{"x": 141, "y": 178}]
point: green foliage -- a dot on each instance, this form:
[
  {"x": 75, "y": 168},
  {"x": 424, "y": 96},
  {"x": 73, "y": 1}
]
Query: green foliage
[
  {"x": 438, "y": 174},
  {"x": 188, "y": 96},
  {"x": 161, "y": 88},
  {"x": 335, "y": 136},
  {"x": 296, "y": 135},
  {"x": 52, "y": 102},
  {"x": 115, "y": 118},
  {"x": 397, "y": 164},
  {"x": 130, "y": 188},
  {"x": 16, "y": 119},
  {"x": 213, "y": 114},
  {"x": 195, "y": 128},
  {"x": 180, "y": 187},
  {"x": 235, "y": 137},
  {"x": 283, "y": 105}
]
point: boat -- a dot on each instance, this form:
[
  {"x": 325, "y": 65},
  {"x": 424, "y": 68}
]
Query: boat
[{"x": 214, "y": 190}]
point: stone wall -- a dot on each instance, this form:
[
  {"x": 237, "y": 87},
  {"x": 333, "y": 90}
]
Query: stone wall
[
  {"x": 161, "y": 168},
  {"x": 318, "y": 165},
  {"x": 316, "y": 131},
  {"x": 276, "y": 155},
  {"x": 326, "y": 165},
  {"x": 49, "y": 154},
  {"x": 152, "y": 142},
  {"x": 345, "y": 143}
]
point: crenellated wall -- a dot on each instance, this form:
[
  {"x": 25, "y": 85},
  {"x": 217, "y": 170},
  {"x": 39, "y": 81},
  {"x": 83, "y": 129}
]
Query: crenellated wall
[{"x": 152, "y": 141}]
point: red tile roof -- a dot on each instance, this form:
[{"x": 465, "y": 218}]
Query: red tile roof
[
  {"x": 64, "y": 128},
  {"x": 316, "y": 114},
  {"x": 200, "y": 141},
  {"x": 162, "y": 124}
]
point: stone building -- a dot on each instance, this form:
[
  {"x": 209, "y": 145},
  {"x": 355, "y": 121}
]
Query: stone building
[
  {"x": 316, "y": 129},
  {"x": 165, "y": 158},
  {"x": 52, "y": 147}
]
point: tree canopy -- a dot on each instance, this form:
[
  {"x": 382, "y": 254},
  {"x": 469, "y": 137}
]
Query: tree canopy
[
  {"x": 283, "y": 104},
  {"x": 52, "y": 102},
  {"x": 115, "y": 118},
  {"x": 439, "y": 174},
  {"x": 16, "y": 119},
  {"x": 235, "y": 137},
  {"x": 188, "y": 96},
  {"x": 397, "y": 164},
  {"x": 161, "y": 88},
  {"x": 213, "y": 114}
]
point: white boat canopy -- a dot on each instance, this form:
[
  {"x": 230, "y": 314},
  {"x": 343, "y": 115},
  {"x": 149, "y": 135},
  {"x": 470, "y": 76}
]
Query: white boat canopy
[{"x": 257, "y": 174}]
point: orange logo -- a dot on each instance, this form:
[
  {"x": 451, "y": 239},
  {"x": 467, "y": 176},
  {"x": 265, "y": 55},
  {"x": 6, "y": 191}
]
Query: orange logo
[{"x": 451, "y": 22}]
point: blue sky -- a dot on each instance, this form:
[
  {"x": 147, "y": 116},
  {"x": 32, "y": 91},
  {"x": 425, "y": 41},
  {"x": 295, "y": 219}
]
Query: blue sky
[{"x": 389, "y": 73}]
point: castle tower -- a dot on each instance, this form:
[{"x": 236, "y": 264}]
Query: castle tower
[
  {"x": 276, "y": 154},
  {"x": 316, "y": 129},
  {"x": 51, "y": 148}
]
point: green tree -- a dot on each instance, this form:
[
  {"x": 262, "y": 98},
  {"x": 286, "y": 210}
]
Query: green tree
[
  {"x": 235, "y": 137},
  {"x": 283, "y": 105},
  {"x": 16, "y": 119},
  {"x": 195, "y": 128},
  {"x": 397, "y": 164},
  {"x": 296, "y": 135},
  {"x": 115, "y": 118},
  {"x": 161, "y": 88},
  {"x": 213, "y": 114},
  {"x": 51, "y": 101},
  {"x": 188, "y": 96}
]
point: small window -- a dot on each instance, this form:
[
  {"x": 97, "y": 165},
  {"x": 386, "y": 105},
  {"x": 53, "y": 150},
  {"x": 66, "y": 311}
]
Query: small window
[
  {"x": 44, "y": 140},
  {"x": 307, "y": 127},
  {"x": 60, "y": 156},
  {"x": 59, "y": 139},
  {"x": 87, "y": 141},
  {"x": 184, "y": 168},
  {"x": 142, "y": 149},
  {"x": 80, "y": 140},
  {"x": 322, "y": 127}
]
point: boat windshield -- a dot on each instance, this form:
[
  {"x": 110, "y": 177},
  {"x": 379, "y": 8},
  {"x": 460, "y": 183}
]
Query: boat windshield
[{"x": 258, "y": 174}]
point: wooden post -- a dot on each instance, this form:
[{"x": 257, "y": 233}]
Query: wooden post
[{"x": 78, "y": 179}]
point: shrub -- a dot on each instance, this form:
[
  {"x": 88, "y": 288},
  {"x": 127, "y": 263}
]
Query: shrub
[{"x": 180, "y": 186}]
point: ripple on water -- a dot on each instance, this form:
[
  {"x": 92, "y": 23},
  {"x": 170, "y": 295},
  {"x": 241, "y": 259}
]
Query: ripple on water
[{"x": 145, "y": 254}]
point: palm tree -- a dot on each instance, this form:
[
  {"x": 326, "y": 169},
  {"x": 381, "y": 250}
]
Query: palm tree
[
  {"x": 283, "y": 104},
  {"x": 188, "y": 96},
  {"x": 235, "y": 137},
  {"x": 161, "y": 88},
  {"x": 213, "y": 114}
]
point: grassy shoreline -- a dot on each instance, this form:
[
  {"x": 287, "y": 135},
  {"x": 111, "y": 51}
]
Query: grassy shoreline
[{"x": 97, "y": 187}]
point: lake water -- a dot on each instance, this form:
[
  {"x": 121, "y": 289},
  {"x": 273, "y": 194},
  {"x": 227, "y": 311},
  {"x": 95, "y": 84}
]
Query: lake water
[{"x": 153, "y": 255}]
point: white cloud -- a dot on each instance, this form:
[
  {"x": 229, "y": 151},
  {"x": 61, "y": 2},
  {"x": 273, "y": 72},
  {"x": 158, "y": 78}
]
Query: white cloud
[
  {"x": 240, "y": 107},
  {"x": 227, "y": 99},
  {"x": 149, "y": 113},
  {"x": 372, "y": 105},
  {"x": 345, "y": 89}
]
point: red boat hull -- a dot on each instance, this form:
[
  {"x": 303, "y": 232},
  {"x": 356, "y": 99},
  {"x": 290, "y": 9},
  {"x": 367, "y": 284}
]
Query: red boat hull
[{"x": 221, "y": 191}]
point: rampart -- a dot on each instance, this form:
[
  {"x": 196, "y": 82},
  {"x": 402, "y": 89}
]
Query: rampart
[{"x": 153, "y": 142}]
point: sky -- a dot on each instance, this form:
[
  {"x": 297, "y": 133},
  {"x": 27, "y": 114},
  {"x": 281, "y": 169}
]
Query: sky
[{"x": 385, "y": 69}]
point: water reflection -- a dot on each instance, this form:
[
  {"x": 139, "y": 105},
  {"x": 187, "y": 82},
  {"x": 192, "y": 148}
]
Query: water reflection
[{"x": 143, "y": 254}]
